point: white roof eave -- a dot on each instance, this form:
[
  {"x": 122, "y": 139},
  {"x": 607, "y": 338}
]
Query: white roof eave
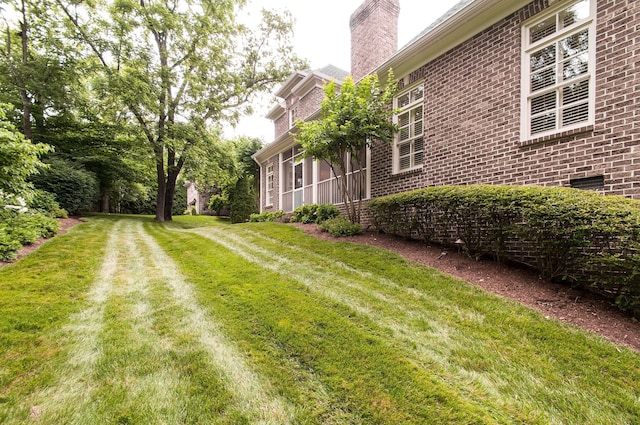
[{"x": 461, "y": 26}]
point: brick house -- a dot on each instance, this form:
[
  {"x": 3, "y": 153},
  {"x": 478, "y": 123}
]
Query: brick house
[{"x": 542, "y": 92}]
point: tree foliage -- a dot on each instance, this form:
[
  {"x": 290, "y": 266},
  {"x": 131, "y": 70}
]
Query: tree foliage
[
  {"x": 39, "y": 68},
  {"x": 19, "y": 158},
  {"x": 111, "y": 151},
  {"x": 179, "y": 67},
  {"x": 353, "y": 118}
]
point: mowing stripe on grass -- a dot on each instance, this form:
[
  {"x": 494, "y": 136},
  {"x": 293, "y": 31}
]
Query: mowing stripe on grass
[
  {"x": 120, "y": 369},
  {"x": 82, "y": 338},
  {"x": 253, "y": 394},
  {"x": 411, "y": 316},
  {"x": 100, "y": 338},
  {"x": 432, "y": 342}
]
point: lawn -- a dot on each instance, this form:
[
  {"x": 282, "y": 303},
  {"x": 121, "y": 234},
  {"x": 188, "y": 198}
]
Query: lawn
[{"x": 125, "y": 320}]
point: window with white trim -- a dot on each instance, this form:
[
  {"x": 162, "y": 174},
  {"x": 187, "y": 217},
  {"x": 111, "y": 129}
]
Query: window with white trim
[
  {"x": 409, "y": 144},
  {"x": 558, "y": 69},
  {"x": 270, "y": 184}
]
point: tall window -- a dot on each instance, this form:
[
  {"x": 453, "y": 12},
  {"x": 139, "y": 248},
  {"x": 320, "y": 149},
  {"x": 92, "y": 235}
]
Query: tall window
[
  {"x": 409, "y": 145},
  {"x": 270, "y": 184},
  {"x": 558, "y": 69}
]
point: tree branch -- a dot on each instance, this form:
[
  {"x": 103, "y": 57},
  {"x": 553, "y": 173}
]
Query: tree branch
[{"x": 84, "y": 35}]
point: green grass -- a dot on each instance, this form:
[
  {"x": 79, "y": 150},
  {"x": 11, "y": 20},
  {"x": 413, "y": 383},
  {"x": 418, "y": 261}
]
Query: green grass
[{"x": 125, "y": 320}]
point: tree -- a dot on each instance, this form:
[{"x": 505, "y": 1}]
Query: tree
[
  {"x": 19, "y": 159},
  {"x": 108, "y": 150},
  {"x": 245, "y": 148},
  {"x": 39, "y": 70},
  {"x": 179, "y": 67},
  {"x": 352, "y": 120}
]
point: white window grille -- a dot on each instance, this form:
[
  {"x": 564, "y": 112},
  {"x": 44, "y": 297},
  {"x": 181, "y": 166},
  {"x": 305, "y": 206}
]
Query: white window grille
[
  {"x": 409, "y": 142},
  {"x": 558, "y": 69}
]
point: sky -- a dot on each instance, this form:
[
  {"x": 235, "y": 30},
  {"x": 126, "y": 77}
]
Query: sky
[{"x": 321, "y": 35}]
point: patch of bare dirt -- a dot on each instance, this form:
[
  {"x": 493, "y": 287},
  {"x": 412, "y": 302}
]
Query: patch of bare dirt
[
  {"x": 65, "y": 224},
  {"x": 578, "y": 307}
]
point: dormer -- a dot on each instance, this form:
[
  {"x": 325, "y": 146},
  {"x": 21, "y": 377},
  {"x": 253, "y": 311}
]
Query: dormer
[{"x": 301, "y": 96}]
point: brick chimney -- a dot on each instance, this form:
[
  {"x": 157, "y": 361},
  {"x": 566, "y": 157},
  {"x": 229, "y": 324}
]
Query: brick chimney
[{"x": 374, "y": 35}]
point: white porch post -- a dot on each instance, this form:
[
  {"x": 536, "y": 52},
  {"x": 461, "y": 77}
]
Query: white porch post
[
  {"x": 368, "y": 174},
  {"x": 280, "y": 180},
  {"x": 263, "y": 184},
  {"x": 314, "y": 179}
]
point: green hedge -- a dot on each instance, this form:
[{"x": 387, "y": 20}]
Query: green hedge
[{"x": 576, "y": 236}]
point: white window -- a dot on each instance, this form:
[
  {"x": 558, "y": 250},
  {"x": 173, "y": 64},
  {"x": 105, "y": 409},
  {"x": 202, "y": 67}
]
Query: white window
[
  {"x": 409, "y": 143},
  {"x": 269, "y": 184},
  {"x": 558, "y": 69}
]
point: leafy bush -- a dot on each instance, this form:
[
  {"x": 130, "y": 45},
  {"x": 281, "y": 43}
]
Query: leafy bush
[
  {"x": 568, "y": 235},
  {"x": 340, "y": 226},
  {"x": 8, "y": 246},
  {"x": 266, "y": 216},
  {"x": 18, "y": 229},
  {"x": 75, "y": 188},
  {"x": 314, "y": 213},
  {"x": 45, "y": 202},
  {"x": 217, "y": 202}
]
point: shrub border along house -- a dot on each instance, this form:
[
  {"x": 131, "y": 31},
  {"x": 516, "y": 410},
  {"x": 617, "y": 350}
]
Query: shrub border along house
[{"x": 575, "y": 236}]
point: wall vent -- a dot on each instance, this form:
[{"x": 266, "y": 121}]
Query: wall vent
[{"x": 588, "y": 183}]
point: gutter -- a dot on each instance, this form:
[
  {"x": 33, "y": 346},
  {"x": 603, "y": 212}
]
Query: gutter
[{"x": 458, "y": 28}]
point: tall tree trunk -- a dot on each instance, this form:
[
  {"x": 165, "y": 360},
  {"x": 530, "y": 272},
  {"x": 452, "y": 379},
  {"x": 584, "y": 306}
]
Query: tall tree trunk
[
  {"x": 160, "y": 197},
  {"x": 105, "y": 203},
  {"x": 24, "y": 96},
  {"x": 170, "y": 192}
]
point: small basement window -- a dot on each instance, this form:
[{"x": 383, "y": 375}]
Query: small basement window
[{"x": 588, "y": 183}]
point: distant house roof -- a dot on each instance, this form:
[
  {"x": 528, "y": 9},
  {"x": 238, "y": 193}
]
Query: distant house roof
[
  {"x": 328, "y": 72},
  {"x": 333, "y": 72}
]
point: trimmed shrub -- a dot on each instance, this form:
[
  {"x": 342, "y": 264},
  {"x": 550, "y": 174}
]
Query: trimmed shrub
[
  {"x": 580, "y": 237},
  {"x": 242, "y": 200},
  {"x": 266, "y": 216},
  {"x": 314, "y": 213},
  {"x": 340, "y": 226}
]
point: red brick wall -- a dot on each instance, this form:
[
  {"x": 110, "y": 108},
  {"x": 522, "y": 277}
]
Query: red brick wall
[
  {"x": 305, "y": 106},
  {"x": 281, "y": 125},
  {"x": 472, "y": 114},
  {"x": 374, "y": 35},
  {"x": 310, "y": 103}
]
